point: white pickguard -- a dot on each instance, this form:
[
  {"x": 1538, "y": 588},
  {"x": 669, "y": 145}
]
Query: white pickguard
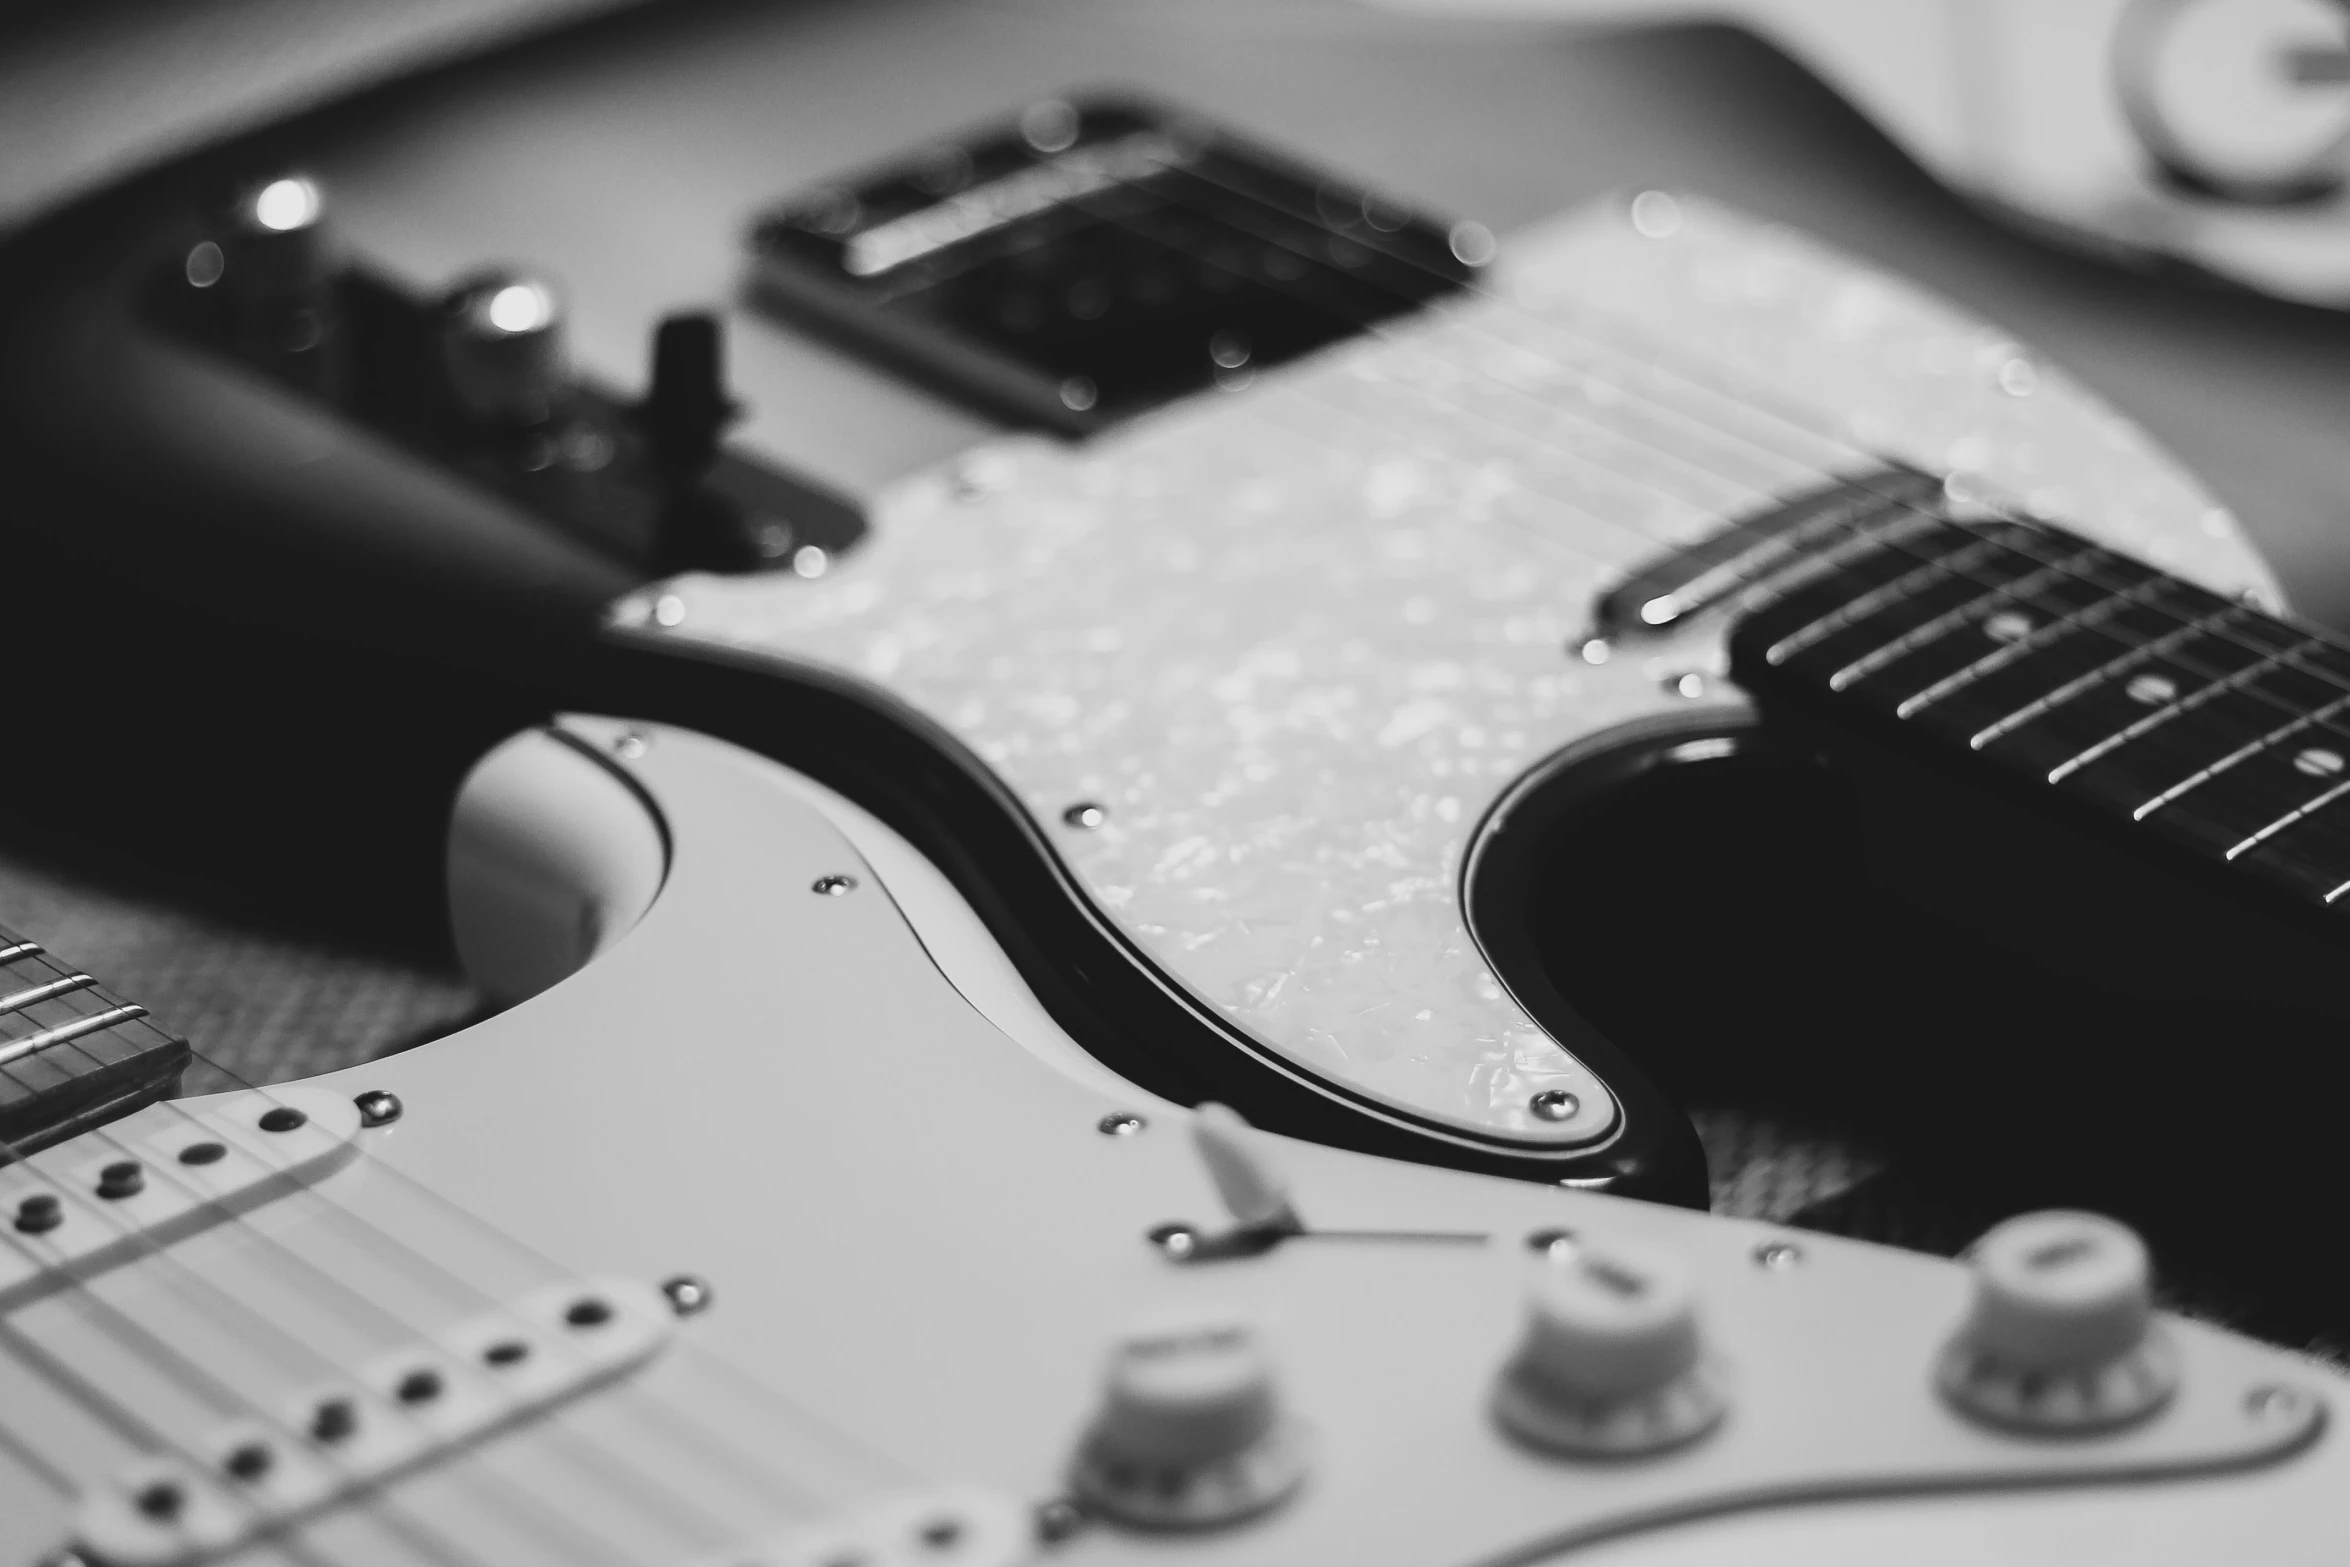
[
  {"x": 920, "y": 1244},
  {"x": 1298, "y": 639}
]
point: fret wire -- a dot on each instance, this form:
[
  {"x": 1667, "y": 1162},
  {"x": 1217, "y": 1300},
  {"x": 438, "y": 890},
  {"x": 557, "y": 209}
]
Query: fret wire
[
  {"x": 2106, "y": 671},
  {"x": 1860, "y": 608},
  {"x": 2232, "y": 758},
  {"x": 22, "y": 949},
  {"x": 2298, "y": 813},
  {"x": 2086, "y": 618},
  {"x": 1897, "y": 531},
  {"x": 2173, "y": 709},
  {"x": 39, "y": 993},
  {"x": 1918, "y": 636},
  {"x": 2337, "y": 892},
  {"x": 18, "y": 1049}
]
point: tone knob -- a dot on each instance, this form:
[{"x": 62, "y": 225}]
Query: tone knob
[
  {"x": 2062, "y": 1335},
  {"x": 502, "y": 345},
  {"x": 1613, "y": 1362},
  {"x": 1190, "y": 1433}
]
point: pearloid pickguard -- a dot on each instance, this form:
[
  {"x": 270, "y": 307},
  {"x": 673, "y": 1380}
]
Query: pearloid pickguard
[{"x": 1298, "y": 638}]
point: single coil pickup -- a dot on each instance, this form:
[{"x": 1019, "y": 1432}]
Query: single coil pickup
[
  {"x": 107, "y": 1197},
  {"x": 1754, "y": 549},
  {"x": 266, "y": 1472}
]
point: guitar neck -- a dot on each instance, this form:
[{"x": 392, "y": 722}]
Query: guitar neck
[
  {"x": 73, "y": 1055},
  {"x": 2022, "y": 648}
]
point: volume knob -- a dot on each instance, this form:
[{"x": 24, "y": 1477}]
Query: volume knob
[
  {"x": 1613, "y": 1362},
  {"x": 1190, "y": 1433},
  {"x": 502, "y": 346},
  {"x": 2062, "y": 1335}
]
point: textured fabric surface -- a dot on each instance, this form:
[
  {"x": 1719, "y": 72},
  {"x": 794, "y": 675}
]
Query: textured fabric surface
[{"x": 257, "y": 1003}]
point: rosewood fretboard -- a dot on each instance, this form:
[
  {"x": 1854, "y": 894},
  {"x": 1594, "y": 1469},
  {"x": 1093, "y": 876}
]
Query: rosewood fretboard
[{"x": 2019, "y": 645}]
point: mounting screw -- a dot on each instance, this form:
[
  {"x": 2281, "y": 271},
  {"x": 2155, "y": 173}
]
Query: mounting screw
[
  {"x": 689, "y": 1294},
  {"x": 1778, "y": 1256},
  {"x": 1120, "y": 1123},
  {"x": 1554, "y": 1104},
  {"x": 834, "y": 886},
  {"x": 1085, "y": 815},
  {"x": 1553, "y": 1242},
  {"x": 2272, "y": 1402},
  {"x": 378, "y": 1107},
  {"x": 629, "y": 746},
  {"x": 1178, "y": 1241},
  {"x": 1057, "y": 1520}
]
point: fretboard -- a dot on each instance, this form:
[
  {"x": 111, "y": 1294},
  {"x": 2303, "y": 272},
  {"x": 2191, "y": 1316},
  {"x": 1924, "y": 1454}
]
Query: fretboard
[
  {"x": 2020, "y": 646},
  {"x": 72, "y": 1053}
]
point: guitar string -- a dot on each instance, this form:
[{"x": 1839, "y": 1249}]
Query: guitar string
[
  {"x": 751, "y": 1481},
  {"x": 174, "y": 1364},
  {"x": 1381, "y": 328},
  {"x": 681, "y": 1515},
  {"x": 1586, "y": 462}
]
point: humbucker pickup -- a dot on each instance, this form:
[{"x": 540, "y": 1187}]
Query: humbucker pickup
[{"x": 73, "y": 1054}]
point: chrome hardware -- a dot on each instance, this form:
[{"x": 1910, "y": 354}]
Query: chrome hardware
[{"x": 378, "y": 1107}]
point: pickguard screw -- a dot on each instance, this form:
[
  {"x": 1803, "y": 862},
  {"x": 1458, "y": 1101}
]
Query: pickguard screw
[
  {"x": 1554, "y": 1104},
  {"x": 1057, "y": 1520},
  {"x": 834, "y": 886},
  {"x": 629, "y": 746},
  {"x": 688, "y": 1294},
  {"x": 1120, "y": 1123},
  {"x": 1085, "y": 815},
  {"x": 2271, "y": 1402},
  {"x": 1552, "y": 1242},
  {"x": 1178, "y": 1241},
  {"x": 378, "y": 1107},
  {"x": 669, "y": 610},
  {"x": 1691, "y": 684},
  {"x": 1778, "y": 1256}
]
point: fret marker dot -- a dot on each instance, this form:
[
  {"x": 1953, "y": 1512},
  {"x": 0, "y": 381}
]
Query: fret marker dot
[
  {"x": 2008, "y": 626},
  {"x": 2152, "y": 690},
  {"x": 2318, "y": 762}
]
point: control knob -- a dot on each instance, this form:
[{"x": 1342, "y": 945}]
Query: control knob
[
  {"x": 1190, "y": 1433},
  {"x": 2061, "y": 1336},
  {"x": 1613, "y": 1362},
  {"x": 502, "y": 346}
]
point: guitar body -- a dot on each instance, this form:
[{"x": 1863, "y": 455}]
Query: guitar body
[
  {"x": 1226, "y": 719},
  {"x": 916, "y": 1236}
]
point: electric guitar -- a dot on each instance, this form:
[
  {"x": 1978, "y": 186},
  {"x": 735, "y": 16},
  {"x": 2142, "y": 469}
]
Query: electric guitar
[
  {"x": 779, "y": 1224},
  {"x": 1281, "y": 725}
]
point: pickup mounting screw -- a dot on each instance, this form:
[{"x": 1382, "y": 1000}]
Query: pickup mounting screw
[
  {"x": 1120, "y": 1123},
  {"x": 1554, "y": 1104},
  {"x": 689, "y": 1295},
  {"x": 1085, "y": 815},
  {"x": 379, "y": 1107},
  {"x": 834, "y": 886}
]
